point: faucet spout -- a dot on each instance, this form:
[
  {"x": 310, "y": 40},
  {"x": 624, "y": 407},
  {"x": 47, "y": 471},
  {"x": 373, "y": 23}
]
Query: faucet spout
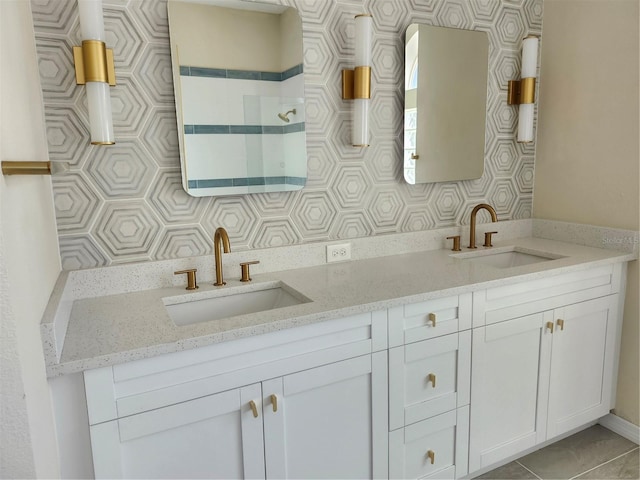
[
  {"x": 474, "y": 213},
  {"x": 220, "y": 241}
]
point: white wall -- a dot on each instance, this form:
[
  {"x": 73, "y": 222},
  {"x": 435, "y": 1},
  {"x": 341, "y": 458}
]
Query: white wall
[
  {"x": 587, "y": 157},
  {"x": 29, "y": 259}
]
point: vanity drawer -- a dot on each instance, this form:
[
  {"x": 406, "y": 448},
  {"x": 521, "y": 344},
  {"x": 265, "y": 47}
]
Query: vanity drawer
[
  {"x": 134, "y": 387},
  {"x": 433, "y": 448},
  {"x": 512, "y": 301},
  {"x": 429, "y": 378},
  {"x": 423, "y": 320}
]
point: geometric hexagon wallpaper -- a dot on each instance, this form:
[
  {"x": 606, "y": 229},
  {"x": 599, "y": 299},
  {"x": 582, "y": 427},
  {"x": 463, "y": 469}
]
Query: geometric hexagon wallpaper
[{"x": 126, "y": 204}]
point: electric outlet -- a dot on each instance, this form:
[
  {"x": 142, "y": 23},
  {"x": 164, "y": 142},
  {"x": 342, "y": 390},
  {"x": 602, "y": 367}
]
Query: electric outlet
[{"x": 338, "y": 253}]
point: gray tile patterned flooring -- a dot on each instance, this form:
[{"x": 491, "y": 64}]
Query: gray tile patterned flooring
[{"x": 594, "y": 453}]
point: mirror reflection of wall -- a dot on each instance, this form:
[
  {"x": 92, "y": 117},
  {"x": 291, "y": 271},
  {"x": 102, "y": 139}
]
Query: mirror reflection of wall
[
  {"x": 445, "y": 103},
  {"x": 239, "y": 91}
]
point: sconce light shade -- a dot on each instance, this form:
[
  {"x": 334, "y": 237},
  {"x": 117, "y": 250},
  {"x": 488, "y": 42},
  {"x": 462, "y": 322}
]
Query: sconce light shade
[
  {"x": 94, "y": 68},
  {"x": 522, "y": 92},
  {"x": 356, "y": 83}
]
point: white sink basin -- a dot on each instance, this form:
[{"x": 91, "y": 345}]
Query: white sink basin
[
  {"x": 506, "y": 257},
  {"x": 232, "y": 302}
]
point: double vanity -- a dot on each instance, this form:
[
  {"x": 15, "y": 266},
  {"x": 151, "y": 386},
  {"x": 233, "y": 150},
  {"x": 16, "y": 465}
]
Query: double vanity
[{"x": 427, "y": 364}]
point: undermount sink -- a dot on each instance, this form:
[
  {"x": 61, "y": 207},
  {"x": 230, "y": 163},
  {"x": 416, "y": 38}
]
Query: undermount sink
[
  {"x": 232, "y": 302},
  {"x": 506, "y": 257}
]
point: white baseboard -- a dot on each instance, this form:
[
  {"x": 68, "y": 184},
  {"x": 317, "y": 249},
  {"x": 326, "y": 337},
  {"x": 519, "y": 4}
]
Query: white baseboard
[{"x": 622, "y": 427}]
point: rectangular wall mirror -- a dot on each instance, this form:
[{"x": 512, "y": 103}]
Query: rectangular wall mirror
[
  {"x": 239, "y": 89},
  {"x": 445, "y": 103}
]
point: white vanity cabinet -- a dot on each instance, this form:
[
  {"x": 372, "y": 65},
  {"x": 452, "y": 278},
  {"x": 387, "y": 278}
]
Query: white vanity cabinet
[
  {"x": 541, "y": 374},
  {"x": 429, "y": 384},
  {"x": 435, "y": 389},
  {"x": 302, "y": 403}
]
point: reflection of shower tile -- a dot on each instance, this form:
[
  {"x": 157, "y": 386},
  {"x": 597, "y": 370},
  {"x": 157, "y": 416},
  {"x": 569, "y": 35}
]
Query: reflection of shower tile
[
  {"x": 204, "y": 72},
  {"x": 228, "y": 148},
  {"x": 292, "y": 72},
  {"x": 245, "y": 129},
  {"x": 254, "y": 159}
]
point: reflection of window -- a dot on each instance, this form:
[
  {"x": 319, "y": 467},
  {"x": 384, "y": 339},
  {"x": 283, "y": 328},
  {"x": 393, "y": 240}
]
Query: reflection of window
[
  {"x": 411, "y": 62},
  {"x": 413, "y": 76},
  {"x": 410, "y": 122},
  {"x": 410, "y": 107}
]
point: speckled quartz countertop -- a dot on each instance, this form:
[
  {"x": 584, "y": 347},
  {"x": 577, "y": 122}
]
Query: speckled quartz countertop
[{"x": 119, "y": 328}]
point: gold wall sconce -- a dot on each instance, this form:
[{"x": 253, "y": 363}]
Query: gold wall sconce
[
  {"x": 95, "y": 69},
  {"x": 523, "y": 92},
  {"x": 356, "y": 83},
  {"x": 33, "y": 167}
]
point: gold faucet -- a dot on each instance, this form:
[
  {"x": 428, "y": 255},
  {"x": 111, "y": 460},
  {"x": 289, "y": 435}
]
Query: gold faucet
[
  {"x": 220, "y": 240},
  {"x": 474, "y": 212}
]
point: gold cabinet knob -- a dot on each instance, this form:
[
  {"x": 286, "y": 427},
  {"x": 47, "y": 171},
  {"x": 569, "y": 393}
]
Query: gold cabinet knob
[
  {"x": 244, "y": 267},
  {"x": 431, "y": 455},
  {"x": 560, "y": 324},
  {"x": 456, "y": 242},
  {"x": 432, "y": 378},
  {"x": 550, "y": 326},
  {"x": 415, "y": 156},
  {"x": 192, "y": 283},
  {"x": 254, "y": 408},
  {"x": 432, "y": 318},
  {"x": 487, "y": 239},
  {"x": 274, "y": 402}
]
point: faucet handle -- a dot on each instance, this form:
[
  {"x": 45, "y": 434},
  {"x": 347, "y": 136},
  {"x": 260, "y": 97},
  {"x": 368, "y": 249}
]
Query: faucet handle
[
  {"x": 244, "y": 266},
  {"x": 487, "y": 239},
  {"x": 456, "y": 242},
  {"x": 192, "y": 283}
]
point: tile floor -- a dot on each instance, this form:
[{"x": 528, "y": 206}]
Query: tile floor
[{"x": 594, "y": 453}]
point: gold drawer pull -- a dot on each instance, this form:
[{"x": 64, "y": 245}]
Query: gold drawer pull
[
  {"x": 254, "y": 408},
  {"x": 432, "y": 378},
  {"x": 432, "y": 318},
  {"x": 274, "y": 402},
  {"x": 560, "y": 324},
  {"x": 431, "y": 455},
  {"x": 550, "y": 326}
]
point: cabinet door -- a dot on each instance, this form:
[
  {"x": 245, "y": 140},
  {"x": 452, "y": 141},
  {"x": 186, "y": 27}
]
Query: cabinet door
[
  {"x": 583, "y": 364},
  {"x": 328, "y": 422},
  {"x": 509, "y": 388},
  {"x": 216, "y": 436}
]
